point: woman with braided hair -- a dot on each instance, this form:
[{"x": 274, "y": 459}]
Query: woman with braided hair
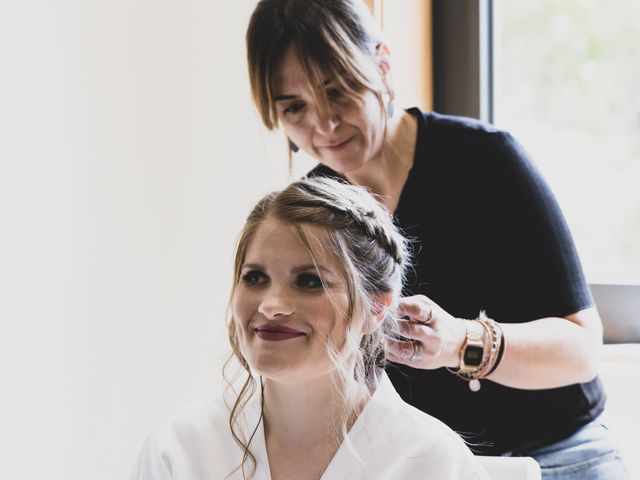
[
  {"x": 519, "y": 379},
  {"x": 318, "y": 274}
]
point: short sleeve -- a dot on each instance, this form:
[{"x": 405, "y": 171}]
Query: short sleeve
[{"x": 538, "y": 263}]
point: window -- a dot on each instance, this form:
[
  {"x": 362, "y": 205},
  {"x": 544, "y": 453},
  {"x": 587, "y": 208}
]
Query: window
[
  {"x": 564, "y": 78},
  {"x": 567, "y": 85}
]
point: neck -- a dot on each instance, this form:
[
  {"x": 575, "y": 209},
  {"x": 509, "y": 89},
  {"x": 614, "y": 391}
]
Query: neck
[
  {"x": 386, "y": 172},
  {"x": 302, "y": 413}
]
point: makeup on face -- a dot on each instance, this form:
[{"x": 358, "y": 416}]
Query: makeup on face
[
  {"x": 287, "y": 304},
  {"x": 277, "y": 333}
]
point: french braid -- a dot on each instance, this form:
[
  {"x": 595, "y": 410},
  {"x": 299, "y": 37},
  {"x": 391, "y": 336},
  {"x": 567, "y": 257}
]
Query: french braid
[
  {"x": 372, "y": 218},
  {"x": 358, "y": 234}
]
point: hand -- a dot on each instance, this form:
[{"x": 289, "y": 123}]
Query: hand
[{"x": 435, "y": 336}]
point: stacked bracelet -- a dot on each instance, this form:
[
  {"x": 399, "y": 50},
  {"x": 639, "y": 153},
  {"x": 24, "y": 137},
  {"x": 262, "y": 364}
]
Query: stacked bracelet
[
  {"x": 492, "y": 339},
  {"x": 500, "y": 352}
]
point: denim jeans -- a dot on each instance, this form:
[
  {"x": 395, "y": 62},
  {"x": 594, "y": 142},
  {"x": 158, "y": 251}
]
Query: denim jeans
[{"x": 589, "y": 454}]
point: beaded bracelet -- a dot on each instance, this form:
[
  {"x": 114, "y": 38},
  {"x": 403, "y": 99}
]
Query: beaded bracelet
[
  {"x": 496, "y": 342},
  {"x": 500, "y": 352}
]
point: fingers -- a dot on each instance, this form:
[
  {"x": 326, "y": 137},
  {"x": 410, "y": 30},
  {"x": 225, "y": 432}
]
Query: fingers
[
  {"x": 412, "y": 330},
  {"x": 418, "y": 308},
  {"x": 404, "y": 351},
  {"x": 419, "y": 349},
  {"x": 438, "y": 334}
]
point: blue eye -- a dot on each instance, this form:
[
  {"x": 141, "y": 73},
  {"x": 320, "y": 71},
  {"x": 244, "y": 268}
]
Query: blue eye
[
  {"x": 308, "y": 281},
  {"x": 254, "y": 278}
]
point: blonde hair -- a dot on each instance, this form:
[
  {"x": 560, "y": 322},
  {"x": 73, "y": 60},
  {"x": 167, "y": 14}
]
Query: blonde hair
[
  {"x": 334, "y": 40},
  {"x": 359, "y": 235}
]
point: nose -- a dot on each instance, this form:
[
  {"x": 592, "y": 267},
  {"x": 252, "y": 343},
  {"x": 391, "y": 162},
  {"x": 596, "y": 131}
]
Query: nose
[
  {"x": 327, "y": 123},
  {"x": 276, "y": 303}
]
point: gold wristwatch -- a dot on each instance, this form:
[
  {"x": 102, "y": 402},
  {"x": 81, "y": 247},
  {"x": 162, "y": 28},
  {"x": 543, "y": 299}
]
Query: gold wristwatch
[{"x": 472, "y": 351}]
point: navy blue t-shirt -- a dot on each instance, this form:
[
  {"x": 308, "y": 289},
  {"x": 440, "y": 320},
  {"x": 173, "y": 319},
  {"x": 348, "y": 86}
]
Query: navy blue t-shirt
[{"x": 489, "y": 235}]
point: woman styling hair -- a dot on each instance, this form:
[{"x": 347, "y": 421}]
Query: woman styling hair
[
  {"x": 318, "y": 275},
  {"x": 491, "y": 239}
]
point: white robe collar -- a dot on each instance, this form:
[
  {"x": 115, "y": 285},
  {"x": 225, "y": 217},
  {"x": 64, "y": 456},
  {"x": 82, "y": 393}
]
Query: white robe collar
[{"x": 344, "y": 465}]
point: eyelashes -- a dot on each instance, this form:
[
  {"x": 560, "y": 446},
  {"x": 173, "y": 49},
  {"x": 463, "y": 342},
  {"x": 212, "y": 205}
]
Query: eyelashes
[
  {"x": 333, "y": 94},
  {"x": 254, "y": 278},
  {"x": 308, "y": 281},
  {"x": 293, "y": 109},
  {"x": 304, "y": 281}
]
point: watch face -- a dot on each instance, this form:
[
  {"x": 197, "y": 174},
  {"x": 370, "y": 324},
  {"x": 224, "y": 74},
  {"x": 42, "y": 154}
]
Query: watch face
[{"x": 473, "y": 355}]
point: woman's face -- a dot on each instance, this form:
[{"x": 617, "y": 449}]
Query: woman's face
[
  {"x": 282, "y": 312},
  {"x": 346, "y": 138}
]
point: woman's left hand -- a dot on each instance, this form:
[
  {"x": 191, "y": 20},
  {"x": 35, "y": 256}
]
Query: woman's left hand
[{"x": 434, "y": 337}]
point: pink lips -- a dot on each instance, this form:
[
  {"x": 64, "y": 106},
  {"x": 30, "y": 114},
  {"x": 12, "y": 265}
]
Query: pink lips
[{"x": 275, "y": 333}]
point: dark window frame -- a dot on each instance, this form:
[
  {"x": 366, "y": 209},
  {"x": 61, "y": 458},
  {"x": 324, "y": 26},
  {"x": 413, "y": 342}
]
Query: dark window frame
[{"x": 463, "y": 58}]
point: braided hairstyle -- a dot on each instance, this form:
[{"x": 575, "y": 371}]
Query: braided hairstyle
[{"x": 372, "y": 255}]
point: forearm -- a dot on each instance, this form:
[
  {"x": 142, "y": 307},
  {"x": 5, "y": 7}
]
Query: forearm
[
  {"x": 550, "y": 352},
  {"x": 544, "y": 353}
]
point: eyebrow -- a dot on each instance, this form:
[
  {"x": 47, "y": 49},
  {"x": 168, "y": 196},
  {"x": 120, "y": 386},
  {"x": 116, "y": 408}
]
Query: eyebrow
[
  {"x": 280, "y": 98},
  {"x": 299, "y": 269},
  {"x": 306, "y": 268}
]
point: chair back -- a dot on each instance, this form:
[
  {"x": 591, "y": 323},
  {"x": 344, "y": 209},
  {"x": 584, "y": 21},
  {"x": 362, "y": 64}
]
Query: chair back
[{"x": 510, "y": 468}]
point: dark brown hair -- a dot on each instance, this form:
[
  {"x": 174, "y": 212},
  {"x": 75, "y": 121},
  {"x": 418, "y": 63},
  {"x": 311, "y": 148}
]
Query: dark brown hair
[{"x": 333, "y": 39}]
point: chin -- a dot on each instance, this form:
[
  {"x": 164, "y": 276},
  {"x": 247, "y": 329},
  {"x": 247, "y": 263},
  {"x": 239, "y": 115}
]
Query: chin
[
  {"x": 344, "y": 165},
  {"x": 273, "y": 366}
]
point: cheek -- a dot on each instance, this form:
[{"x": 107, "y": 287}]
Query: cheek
[
  {"x": 371, "y": 115},
  {"x": 242, "y": 307},
  {"x": 296, "y": 132},
  {"x": 336, "y": 321}
]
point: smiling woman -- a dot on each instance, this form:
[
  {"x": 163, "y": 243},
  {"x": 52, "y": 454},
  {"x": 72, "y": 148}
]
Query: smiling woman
[
  {"x": 284, "y": 316},
  {"x": 314, "y": 129},
  {"x": 318, "y": 274}
]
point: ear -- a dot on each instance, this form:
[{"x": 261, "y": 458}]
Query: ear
[
  {"x": 383, "y": 54},
  {"x": 379, "y": 312}
]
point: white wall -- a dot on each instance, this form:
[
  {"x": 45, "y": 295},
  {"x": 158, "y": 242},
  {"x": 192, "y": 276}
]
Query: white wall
[{"x": 130, "y": 154}]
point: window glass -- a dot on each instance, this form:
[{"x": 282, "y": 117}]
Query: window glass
[{"x": 567, "y": 85}]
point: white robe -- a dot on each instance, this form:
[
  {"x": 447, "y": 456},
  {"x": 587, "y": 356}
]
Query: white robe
[{"x": 393, "y": 439}]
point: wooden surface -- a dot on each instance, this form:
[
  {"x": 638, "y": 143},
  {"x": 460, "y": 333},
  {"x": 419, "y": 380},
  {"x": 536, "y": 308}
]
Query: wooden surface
[{"x": 406, "y": 25}]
